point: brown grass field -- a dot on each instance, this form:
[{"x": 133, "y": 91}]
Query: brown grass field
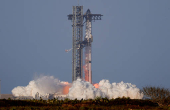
[{"x": 90, "y": 104}]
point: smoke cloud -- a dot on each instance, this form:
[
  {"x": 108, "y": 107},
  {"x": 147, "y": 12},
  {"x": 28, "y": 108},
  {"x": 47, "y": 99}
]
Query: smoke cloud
[
  {"x": 79, "y": 89},
  {"x": 42, "y": 85}
]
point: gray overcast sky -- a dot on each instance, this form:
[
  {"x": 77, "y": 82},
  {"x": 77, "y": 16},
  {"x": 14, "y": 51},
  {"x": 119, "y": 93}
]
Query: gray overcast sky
[{"x": 131, "y": 42}]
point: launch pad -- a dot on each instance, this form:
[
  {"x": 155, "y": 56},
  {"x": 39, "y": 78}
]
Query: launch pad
[{"x": 79, "y": 43}]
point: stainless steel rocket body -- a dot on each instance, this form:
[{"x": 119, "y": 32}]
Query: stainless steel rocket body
[{"x": 88, "y": 50}]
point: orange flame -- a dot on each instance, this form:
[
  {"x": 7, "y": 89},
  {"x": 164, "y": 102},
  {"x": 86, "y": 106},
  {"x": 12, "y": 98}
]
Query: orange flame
[
  {"x": 66, "y": 89},
  {"x": 66, "y": 83},
  {"x": 96, "y": 85}
]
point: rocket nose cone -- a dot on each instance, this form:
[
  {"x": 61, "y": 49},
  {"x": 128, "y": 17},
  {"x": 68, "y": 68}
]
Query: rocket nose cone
[{"x": 88, "y": 11}]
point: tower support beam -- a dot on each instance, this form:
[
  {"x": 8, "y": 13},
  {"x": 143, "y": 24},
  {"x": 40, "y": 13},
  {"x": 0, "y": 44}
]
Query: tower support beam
[{"x": 77, "y": 38}]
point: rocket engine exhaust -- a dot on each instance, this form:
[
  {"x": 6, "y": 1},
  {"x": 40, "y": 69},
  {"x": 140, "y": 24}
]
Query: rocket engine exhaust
[{"x": 79, "y": 89}]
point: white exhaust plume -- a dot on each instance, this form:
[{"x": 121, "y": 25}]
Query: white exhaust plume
[
  {"x": 82, "y": 89},
  {"x": 79, "y": 89},
  {"x": 121, "y": 89},
  {"x": 42, "y": 85}
]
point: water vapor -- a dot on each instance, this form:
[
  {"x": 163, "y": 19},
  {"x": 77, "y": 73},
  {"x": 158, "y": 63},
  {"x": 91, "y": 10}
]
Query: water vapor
[
  {"x": 42, "y": 85},
  {"x": 79, "y": 89}
]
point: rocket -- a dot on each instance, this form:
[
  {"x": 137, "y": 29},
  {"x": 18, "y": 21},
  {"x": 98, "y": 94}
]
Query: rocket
[
  {"x": 88, "y": 39},
  {"x": 79, "y": 43}
]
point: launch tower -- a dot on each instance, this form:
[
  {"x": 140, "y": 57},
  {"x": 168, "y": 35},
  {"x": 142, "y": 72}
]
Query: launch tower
[{"x": 78, "y": 43}]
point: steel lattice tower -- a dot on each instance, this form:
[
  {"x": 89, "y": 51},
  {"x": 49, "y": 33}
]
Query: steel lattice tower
[
  {"x": 77, "y": 38},
  {"x": 78, "y": 43}
]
